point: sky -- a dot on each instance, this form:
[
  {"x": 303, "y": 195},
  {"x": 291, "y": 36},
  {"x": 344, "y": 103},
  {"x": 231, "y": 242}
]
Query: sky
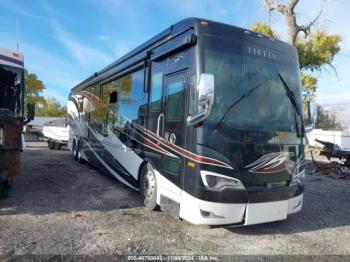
[{"x": 65, "y": 41}]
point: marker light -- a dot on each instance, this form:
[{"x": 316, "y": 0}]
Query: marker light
[{"x": 191, "y": 164}]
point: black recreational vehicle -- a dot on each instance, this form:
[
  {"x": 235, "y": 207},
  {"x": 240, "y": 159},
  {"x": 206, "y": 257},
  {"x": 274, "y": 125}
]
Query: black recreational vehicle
[{"x": 205, "y": 120}]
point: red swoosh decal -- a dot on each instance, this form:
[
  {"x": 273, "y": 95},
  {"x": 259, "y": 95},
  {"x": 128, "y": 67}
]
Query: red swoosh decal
[{"x": 181, "y": 151}]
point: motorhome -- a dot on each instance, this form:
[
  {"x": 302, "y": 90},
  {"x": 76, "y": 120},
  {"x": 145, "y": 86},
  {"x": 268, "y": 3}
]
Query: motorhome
[
  {"x": 11, "y": 117},
  {"x": 204, "y": 120}
]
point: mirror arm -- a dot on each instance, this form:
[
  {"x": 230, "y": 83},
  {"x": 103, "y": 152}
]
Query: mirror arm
[
  {"x": 308, "y": 128},
  {"x": 199, "y": 117},
  {"x": 195, "y": 119}
]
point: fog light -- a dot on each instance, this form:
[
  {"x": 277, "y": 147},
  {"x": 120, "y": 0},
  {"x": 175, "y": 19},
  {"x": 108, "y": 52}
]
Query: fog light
[
  {"x": 216, "y": 181},
  {"x": 208, "y": 214}
]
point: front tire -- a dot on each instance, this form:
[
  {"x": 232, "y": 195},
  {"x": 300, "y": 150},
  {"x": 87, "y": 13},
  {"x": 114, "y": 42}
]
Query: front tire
[
  {"x": 148, "y": 187},
  {"x": 4, "y": 185}
]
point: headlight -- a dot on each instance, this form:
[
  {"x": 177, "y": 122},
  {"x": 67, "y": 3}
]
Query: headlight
[
  {"x": 298, "y": 179},
  {"x": 216, "y": 181}
]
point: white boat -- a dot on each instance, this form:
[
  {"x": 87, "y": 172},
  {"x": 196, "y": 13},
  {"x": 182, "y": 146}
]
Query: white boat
[{"x": 56, "y": 132}]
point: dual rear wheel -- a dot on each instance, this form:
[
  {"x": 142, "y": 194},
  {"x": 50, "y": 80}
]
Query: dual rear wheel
[
  {"x": 76, "y": 151},
  {"x": 53, "y": 145}
]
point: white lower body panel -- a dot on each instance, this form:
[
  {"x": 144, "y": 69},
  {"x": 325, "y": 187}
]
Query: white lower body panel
[
  {"x": 258, "y": 213},
  {"x": 200, "y": 212}
]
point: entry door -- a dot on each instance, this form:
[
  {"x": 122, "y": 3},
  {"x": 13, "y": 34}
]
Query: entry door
[{"x": 174, "y": 126}]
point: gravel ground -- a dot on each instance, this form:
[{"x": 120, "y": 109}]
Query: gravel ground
[{"x": 58, "y": 206}]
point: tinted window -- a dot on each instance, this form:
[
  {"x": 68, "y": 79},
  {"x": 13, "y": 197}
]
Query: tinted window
[
  {"x": 267, "y": 106},
  {"x": 171, "y": 165},
  {"x": 95, "y": 91},
  {"x": 131, "y": 106},
  {"x": 174, "y": 103},
  {"x": 109, "y": 88},
  {"x": 156, "y": 91}
]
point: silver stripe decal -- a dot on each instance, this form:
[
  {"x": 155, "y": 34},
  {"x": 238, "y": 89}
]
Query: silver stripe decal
[{"x": 109, "y": 168}]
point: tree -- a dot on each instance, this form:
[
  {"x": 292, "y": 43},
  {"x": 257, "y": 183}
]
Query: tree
[
  {"x": 315, "y": 50},
  {"x": 287, "y": 10},
  {"x": 264, "y": 29},
  {"x": 52, "y": 108},
  {"x": 34, "y": 88},
  {"x": 326, "y": 120},
  {"x": 43, "y": 107}
]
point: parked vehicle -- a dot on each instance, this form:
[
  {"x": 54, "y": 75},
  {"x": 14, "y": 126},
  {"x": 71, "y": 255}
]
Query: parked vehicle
[
  {"x": 11, "y": 117},
  {"x": 56, "y": 132},
  {"x": 205, "y": 120}
]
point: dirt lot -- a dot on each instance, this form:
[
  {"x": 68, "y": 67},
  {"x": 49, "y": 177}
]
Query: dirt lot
[{"x": 58, "y": 206}]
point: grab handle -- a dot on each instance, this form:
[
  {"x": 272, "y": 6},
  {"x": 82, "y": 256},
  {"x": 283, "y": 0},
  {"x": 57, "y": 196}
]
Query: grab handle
[{"x": 158, "y": 123}]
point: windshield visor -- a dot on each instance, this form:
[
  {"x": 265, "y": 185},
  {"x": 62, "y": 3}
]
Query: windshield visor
[{"x": 240, "y": 66}]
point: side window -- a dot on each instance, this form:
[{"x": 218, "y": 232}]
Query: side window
[
  {"x": 107, "y": 89},
  {"x": 156, "y": 91},
  {"x": 171, "y": 165},
  {"x": 174, "y": 104},
  {"x": 107, "y": 108},
  {"x": 95, "y": 91}
]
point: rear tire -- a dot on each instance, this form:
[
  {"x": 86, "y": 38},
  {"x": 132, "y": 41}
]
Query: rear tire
[
  {"x": 148, "y": 187},
  {"x": 50, "y": 145},
  {"x": 78, "y": 153},
  {"x": 57, "y": 146},
  {"x": 74, "y": 149}
]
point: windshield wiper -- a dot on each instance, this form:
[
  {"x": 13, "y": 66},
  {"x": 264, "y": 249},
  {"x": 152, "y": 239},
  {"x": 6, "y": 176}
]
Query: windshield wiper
[
  {"x": 228, "y": 111},
  {"x": 295, "y": 105}
]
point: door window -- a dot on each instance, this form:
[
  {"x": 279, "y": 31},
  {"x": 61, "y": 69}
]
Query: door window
[{"x": 174, "y": 104}]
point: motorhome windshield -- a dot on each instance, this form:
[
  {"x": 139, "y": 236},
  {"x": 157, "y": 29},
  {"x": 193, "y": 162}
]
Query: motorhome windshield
[
  {"x": 250, "y": 71},
  {"x": 10, "y": 88}
]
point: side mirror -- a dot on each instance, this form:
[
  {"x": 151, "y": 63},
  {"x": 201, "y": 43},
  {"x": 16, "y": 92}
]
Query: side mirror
[
  {"x": 205, "y": 99},
  {"x": 113, "y": 97},
  {"x": 311, "y": 116},
  {"x": 30, "y": 112}
]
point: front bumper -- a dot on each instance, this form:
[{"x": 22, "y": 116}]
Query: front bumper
[{"x": 203, "y": 212}]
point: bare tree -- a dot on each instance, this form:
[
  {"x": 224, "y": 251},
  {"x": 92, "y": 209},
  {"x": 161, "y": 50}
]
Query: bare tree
[{"x": 287, "y": 10}]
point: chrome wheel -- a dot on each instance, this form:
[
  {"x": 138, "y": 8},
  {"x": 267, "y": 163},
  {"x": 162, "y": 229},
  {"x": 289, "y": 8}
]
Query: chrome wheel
[{"x": 149, "y": 185}]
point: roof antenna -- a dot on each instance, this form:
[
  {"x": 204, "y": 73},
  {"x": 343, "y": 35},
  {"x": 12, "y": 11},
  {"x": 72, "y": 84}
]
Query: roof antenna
[{"x": 17, "y": 34}]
